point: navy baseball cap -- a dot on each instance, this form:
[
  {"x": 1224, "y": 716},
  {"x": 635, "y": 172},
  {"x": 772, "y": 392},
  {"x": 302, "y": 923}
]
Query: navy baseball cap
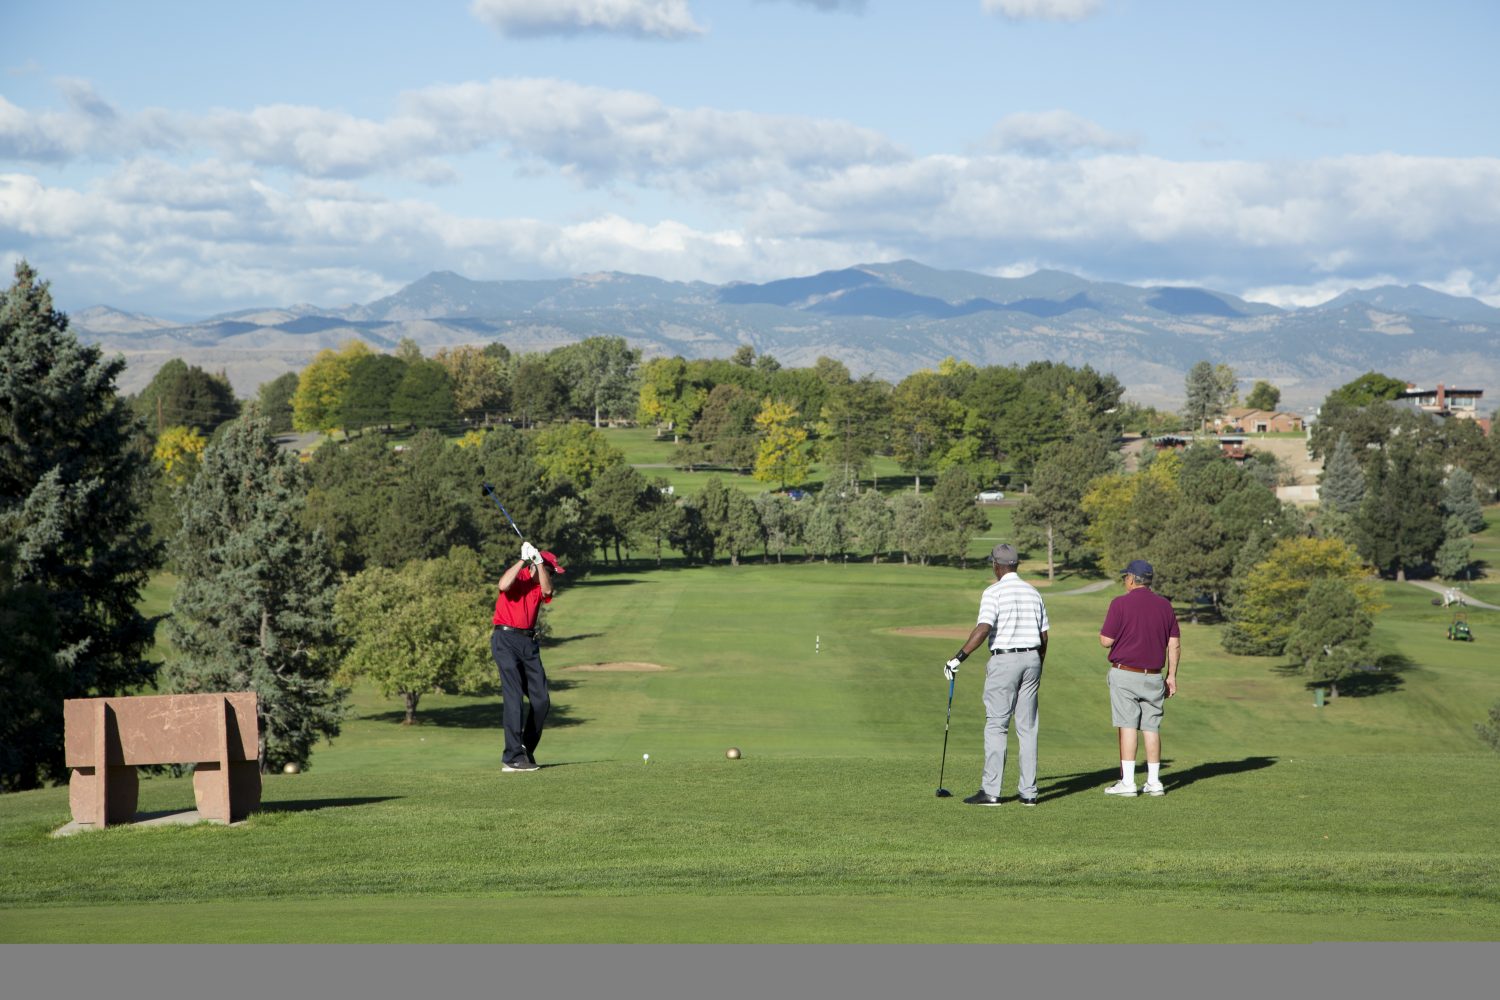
[{"x": 1138, "y": 568}]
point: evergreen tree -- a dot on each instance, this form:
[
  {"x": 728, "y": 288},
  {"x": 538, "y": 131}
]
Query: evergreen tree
[
  {"x": 1343, "y": 481},
  {"x": 1454, "y": 557},
  {"x": 742, "y": 530},
  {"x": 253, "y": 609},
  {"x": 429, "y": 511},
  {"x": 1204, "y": 395},
  {"x": 615, "y": 502},
  {"x": 1400, "y": 523},
  {"x": 180, "y": 395},
  {"x": 352, "y": 486},
  {"x": 34, "y": 683},
  {"x": 659, "y": 517},
  {"x": 827, "y": 529},
  {"x": 1461, "y": 503},
  {"x": 1190, "y": 556},
  {"x": 1328, "y": 638},
  {"x": 712, "y": 505},
  {"x": 779, "y": 522},
  {"x": 1489, "y": 732},
  {"x": 73, "y": 487}
]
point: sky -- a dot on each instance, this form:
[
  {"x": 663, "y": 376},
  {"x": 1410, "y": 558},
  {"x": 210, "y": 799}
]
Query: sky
[{"x": 184, "y": 159}]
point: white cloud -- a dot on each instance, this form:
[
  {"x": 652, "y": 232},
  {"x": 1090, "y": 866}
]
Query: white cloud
[
  {"x": 1043, "y": 10},
  {"x": 639, "y": 18},
  {"x": 1054, "y": 133}
]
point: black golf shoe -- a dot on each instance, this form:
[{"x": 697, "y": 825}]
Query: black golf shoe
[
  {"x": 1028, "y": 802},
  {"x": 983, "y": 798}
]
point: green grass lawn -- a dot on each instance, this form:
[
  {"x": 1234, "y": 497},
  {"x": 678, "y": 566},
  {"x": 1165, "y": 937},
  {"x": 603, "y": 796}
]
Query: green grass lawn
[{"x": 1370, "y": 819}]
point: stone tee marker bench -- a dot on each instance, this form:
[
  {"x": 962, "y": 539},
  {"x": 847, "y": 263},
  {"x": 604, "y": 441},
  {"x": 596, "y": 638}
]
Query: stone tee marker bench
[{"x": 107, "y": 738}]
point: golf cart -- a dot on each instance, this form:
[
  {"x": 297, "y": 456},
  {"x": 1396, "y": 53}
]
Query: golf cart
[{"x": 1459, "y": 629}]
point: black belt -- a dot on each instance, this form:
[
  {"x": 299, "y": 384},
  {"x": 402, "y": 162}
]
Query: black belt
[
  {"x": 1024, "y": 649},
  {"x": 511, "y": 628}
]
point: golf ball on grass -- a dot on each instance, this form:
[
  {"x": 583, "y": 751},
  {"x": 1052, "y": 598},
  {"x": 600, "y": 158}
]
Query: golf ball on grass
[
  {"x": 733, "y": 753},
  {"x": 292, "y": 767},
  {"x": 646, "y": 757}
]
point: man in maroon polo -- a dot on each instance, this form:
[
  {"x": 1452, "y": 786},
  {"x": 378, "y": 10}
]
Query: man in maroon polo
[
  {"x": 524, "y": 588},
  {"x": 1140, "y": 631}
]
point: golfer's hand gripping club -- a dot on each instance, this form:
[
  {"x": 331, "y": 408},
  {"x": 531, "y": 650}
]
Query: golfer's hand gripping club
[
  {"x": 951, "y": 667},
  {"x": 529, "y": 553}
]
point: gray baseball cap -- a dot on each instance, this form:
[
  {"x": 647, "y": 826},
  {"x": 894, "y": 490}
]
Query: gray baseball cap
[{"x": 1004, "y": 554}]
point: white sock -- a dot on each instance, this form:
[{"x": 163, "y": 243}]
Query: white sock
[
  {"x": 1127, "y": 771},
  {"x": 1153, "y": 772}
]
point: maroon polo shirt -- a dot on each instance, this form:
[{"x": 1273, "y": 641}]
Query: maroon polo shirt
[
  {"x": 517, "y": 606},
  {"x": 1140, "y": 622}
]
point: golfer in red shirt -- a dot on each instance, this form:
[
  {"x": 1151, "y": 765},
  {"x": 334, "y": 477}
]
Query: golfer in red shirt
[
  {"x": 1140, "y": 631},
  {"x": 524, "y": 588}
]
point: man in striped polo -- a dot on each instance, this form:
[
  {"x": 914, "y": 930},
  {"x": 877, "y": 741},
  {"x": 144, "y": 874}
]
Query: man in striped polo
[
  {"x": 1140, "y": 631},
  {"x": 1013, "y": 626}
]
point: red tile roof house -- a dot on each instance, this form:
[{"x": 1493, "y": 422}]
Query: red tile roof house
[{"x": 1250, "y": 421}]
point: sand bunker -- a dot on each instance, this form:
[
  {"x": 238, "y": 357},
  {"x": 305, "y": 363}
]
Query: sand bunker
[
  {"x": 935, "y": 631},
  {"x": 625, "y": 666}
]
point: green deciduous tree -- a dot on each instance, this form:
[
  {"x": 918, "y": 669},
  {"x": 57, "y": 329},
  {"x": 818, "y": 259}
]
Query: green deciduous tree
[
  {"x": 274, "y": 401},
  {"x": 616, "y": 501},
  {"x": 669, "y": 399},
  {"x": 724, "y": 432},
  {"x": 1489, "y": 731},
  {"x": 369, "y": 393},
  {"x": 952, "y": 518},
  {"x": 424, "y": 396},
  {"x": 254, "y": 608},
  {"x": 74, "y": 483},
  {"x": 780, "y": 521},
  {"x": 319, "y": 398},
  {"x": 601, "y": 376},
  {"x": 419, "y": 629},
  {"x": 574, "y": 452},
  {"x": 872, "y": 526},
  {"x": 1263, "y": 396},
  {"x": 478, "y": 376},
  {"x": 1050, "y": 516}
]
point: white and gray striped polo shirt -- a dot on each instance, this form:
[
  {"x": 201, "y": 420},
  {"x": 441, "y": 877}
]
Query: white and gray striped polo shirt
[{"x": 1015, "y": 613}]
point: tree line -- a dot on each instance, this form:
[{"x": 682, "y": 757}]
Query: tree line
[{"x": 296, "y": 577}]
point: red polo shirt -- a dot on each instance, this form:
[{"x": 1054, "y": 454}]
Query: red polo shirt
[
  {"x": 517, "y": 606},
  {"x": 1140, "y": 623}
]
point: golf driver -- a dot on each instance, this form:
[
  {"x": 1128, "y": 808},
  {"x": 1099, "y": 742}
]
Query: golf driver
[
  {"x": 489, "y": 491},
  {"x": 942, "y": 792}
]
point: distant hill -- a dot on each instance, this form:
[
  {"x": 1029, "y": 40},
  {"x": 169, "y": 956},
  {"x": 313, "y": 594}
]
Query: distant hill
[{"x": 887, "y": 319}]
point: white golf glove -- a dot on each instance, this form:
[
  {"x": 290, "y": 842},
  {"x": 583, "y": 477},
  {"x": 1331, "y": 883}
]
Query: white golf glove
[
  {"x": 950, "y": 668},
  {"x": 529, "y": 553}
]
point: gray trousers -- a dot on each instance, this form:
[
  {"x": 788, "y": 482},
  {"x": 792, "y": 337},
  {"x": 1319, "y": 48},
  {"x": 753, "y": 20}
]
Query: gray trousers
[{"x": 1011, "y": 682}]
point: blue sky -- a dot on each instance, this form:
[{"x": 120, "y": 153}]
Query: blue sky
[{"x": 183, "y": 159}]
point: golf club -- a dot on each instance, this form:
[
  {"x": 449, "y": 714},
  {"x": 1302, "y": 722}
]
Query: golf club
[
  {"x": 942, "y": 792},
  {"x": 489, "y": 491}
]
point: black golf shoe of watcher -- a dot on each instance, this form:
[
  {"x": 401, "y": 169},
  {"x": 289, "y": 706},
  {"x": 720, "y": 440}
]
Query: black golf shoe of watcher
[{"x": 982, "y": 798}]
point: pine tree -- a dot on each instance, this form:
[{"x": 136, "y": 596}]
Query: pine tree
[
  {"x": 953, "y": 518},
  {"x": 74, "y": 483},
  {"x": 1328, "y": 638},
  {"x": 1343, "y": 482},
  {"x": 1050, "y": 516},
  {"x": 253, "y": 610},
  {"x": 1461, "y": 502},
  {"x": 872, "y": 525},
  {"x": 1400, "y": 523}
]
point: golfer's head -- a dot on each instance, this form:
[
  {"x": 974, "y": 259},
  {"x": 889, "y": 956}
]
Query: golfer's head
[
  {"x": 1140, "y": 571},
  {"x": 1004, "y": 558}
]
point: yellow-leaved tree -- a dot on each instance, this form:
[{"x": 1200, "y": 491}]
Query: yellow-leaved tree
[
  {"x": 178, "y": 450},
  {"x": 780, "y": 457}
]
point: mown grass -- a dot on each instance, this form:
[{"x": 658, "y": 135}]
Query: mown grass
[{"x": 1372, "y": 818}]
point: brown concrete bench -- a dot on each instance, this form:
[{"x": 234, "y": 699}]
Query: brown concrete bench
[{"x": 106, "y": 739}]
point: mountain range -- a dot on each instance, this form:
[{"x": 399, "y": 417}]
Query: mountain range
[{"x": 886, "y": 319}]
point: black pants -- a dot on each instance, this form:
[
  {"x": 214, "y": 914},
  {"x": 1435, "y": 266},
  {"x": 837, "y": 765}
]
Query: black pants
[{"x": 521, "y": 677}]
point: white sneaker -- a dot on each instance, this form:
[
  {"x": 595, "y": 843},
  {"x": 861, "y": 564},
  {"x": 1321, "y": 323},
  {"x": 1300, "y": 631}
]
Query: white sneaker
[
  {"x": 1121, "y": 788},
  {"x": 1154, "y": 788}
]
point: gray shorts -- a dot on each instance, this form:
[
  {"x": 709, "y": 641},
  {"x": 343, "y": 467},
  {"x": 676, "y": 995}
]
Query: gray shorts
[{"x": 1135, "y": 700}]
